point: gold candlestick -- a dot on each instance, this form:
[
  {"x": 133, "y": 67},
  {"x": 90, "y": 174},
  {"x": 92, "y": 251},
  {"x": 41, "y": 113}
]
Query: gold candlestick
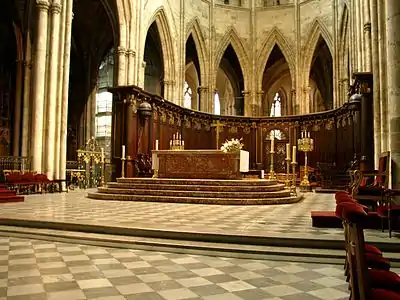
[
  {"x": 305, "y": 144},
  {"x": 123, "y": 167},
  {"x": 288, "y": 181},
  {"x": 293, "y": 187},
  {"x": 103, "y": 165},
  {"x": 272, "y": 175}
]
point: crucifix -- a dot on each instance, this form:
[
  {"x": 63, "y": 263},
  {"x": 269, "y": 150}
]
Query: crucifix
[{"x": 217, "y": 126}]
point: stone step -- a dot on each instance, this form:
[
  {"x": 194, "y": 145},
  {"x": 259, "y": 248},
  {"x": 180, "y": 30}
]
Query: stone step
[
  {"x": 196, "y": 187},
  {"x": 196, "y": 194},
  {"x": 215, "y": 182},
  {"x": 195, "y": 200},
  {"x": 293, "y": 253}
]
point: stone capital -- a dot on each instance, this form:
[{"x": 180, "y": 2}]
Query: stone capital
[
  {"x": 43, "y": 5},
  {"x": 121, "y": 51},
  {"x": 202, "y": 89},
  {"x": 144, "y": 64},
  {"x": 55, "y": 8}
]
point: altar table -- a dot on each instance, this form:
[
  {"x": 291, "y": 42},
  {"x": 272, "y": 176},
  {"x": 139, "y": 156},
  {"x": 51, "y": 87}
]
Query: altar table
[{"x": 200, "y": 164}]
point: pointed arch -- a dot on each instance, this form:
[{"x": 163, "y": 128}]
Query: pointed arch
[
  {"x": 162, "y": 23},
  {"x": 318, "y": 29},
  {"x": 275, "y": 37},
  {"x": 231, "y": 37},
  {"x": 194, "y": 29}
]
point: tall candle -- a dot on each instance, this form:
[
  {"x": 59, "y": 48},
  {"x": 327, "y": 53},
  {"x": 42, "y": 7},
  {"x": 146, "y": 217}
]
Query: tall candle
[
  {"x": 102, "y": 154},
  {"x": 123, "y": 151},
  {"x": 156, "y": 144},
  {"x": 288, "y": 151},
  {"x": 308, "y": 134},
  {"x": 294, "y": 154}
]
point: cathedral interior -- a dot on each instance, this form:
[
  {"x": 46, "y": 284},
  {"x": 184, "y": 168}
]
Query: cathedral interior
[{"x": 202, "y": 149}]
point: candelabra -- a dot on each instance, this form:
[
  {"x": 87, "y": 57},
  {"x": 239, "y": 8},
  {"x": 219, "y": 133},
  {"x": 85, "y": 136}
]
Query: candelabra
[
  {"x": 293, "y": 187},
  {"x": 305, "y": 144},
  {"x": 272, "y": 174},
  {"x": 103, "y": 165},
  {"x": 288, "y": 180},
  {"x": 177, "y": 143},
  {"x": 123, "y": 167}
]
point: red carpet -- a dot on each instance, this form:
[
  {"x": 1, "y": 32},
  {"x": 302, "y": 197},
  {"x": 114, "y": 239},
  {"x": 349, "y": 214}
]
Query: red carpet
[{"x": 7, "y": 196}]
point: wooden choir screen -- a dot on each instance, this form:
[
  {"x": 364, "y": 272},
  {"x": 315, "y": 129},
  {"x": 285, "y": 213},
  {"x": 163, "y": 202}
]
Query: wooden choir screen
[{"x": 141, "y": 118}]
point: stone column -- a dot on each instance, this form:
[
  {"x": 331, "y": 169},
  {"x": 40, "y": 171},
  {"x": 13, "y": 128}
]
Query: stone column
[
  {"x": 367, "y": 37},
  {"x": 58, "y": 149},
  {"x": 141, "y": 75},
  {"x": 393, "y": 84},
  {"x": 121, "y": 51},
  {"x": 39, "y": 84},
  {"x": 375, "y": 71},
  {"x": 259, "y": 100},
  {"x": 247, "y": 103},
  {"x": 26, "y": 110},
  {"x": 383, "y": 76},
  {"x": 203, "y": 95},
  {"x": 17, "y": 108},
  {"x": 65, "y": 80},
  {"x": 357, "y": 8},
  {"x": 131, "y": 66},
  {"x": 52, "y": 93},
  {"x": 293, "y": 107}
]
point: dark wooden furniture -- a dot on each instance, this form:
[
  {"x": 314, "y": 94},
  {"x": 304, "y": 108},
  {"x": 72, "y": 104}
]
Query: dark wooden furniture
[{"x": 368, "y": 187}]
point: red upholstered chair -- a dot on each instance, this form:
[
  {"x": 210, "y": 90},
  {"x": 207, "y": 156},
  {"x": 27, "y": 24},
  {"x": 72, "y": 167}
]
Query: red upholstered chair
[
  {"x": 389, "y": 211},
  {"x": 366, "y": 283}
]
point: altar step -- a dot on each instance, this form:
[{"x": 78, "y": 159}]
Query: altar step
[
  {"x": 193, "y": 187},
  {"x": 214, "y": 182},
  {"x": 196, "y": 191},
  {"x": 271, "y": 248}
]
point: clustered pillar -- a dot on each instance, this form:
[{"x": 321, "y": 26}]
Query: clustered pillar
[
  {"x": 393, "y": 80},
  {"x": 50, "y": 81}
]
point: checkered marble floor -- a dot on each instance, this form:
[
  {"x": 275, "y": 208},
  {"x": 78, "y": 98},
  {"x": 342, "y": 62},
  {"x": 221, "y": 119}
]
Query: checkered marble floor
[
  {"x": 290, "y": 220},
  {"x": 35, "y": 270}
]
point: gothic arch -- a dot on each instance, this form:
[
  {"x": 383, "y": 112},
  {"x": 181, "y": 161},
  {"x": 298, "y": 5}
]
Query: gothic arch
[
  {"x": 163, "y": 27},
  {"x": 193, "y": 28},
  {"x": 232, "y": 38},
  {"x": 275, "y": 37},
  {"x": 318, "y": 29}
]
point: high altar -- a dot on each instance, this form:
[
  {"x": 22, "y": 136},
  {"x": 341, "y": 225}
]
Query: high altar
[{"x": 200, "y": 164}]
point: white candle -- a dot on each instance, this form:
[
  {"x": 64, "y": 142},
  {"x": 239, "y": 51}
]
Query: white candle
[
  {"x": 294, "y": 154},
  {"x": 183, "y": 143},
  {"x": 173, "y": 137},
  {"x": 156, "y": 144},
  {"x": 102, "y": 154},
  {"x": 288, "y": 151},
  {"x": 308, "y": 134},
  {"x": 123, "y": 151}
]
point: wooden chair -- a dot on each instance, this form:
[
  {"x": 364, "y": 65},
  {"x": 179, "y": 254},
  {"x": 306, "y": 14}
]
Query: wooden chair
[
  {"x": 388, "y": 210},
  {"x": 365, "y": 283},
  {"x": 369, "y": 187}
]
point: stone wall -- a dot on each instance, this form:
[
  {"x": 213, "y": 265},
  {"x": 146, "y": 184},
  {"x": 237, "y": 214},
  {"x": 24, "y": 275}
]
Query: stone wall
[{"x": 253, "y": 27}]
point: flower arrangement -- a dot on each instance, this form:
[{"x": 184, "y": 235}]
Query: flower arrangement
[{"x": 232, "y": 145}]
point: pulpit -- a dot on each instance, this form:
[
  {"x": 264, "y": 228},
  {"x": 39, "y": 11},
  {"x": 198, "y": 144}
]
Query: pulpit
[{"x": 200, "y": 164}]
